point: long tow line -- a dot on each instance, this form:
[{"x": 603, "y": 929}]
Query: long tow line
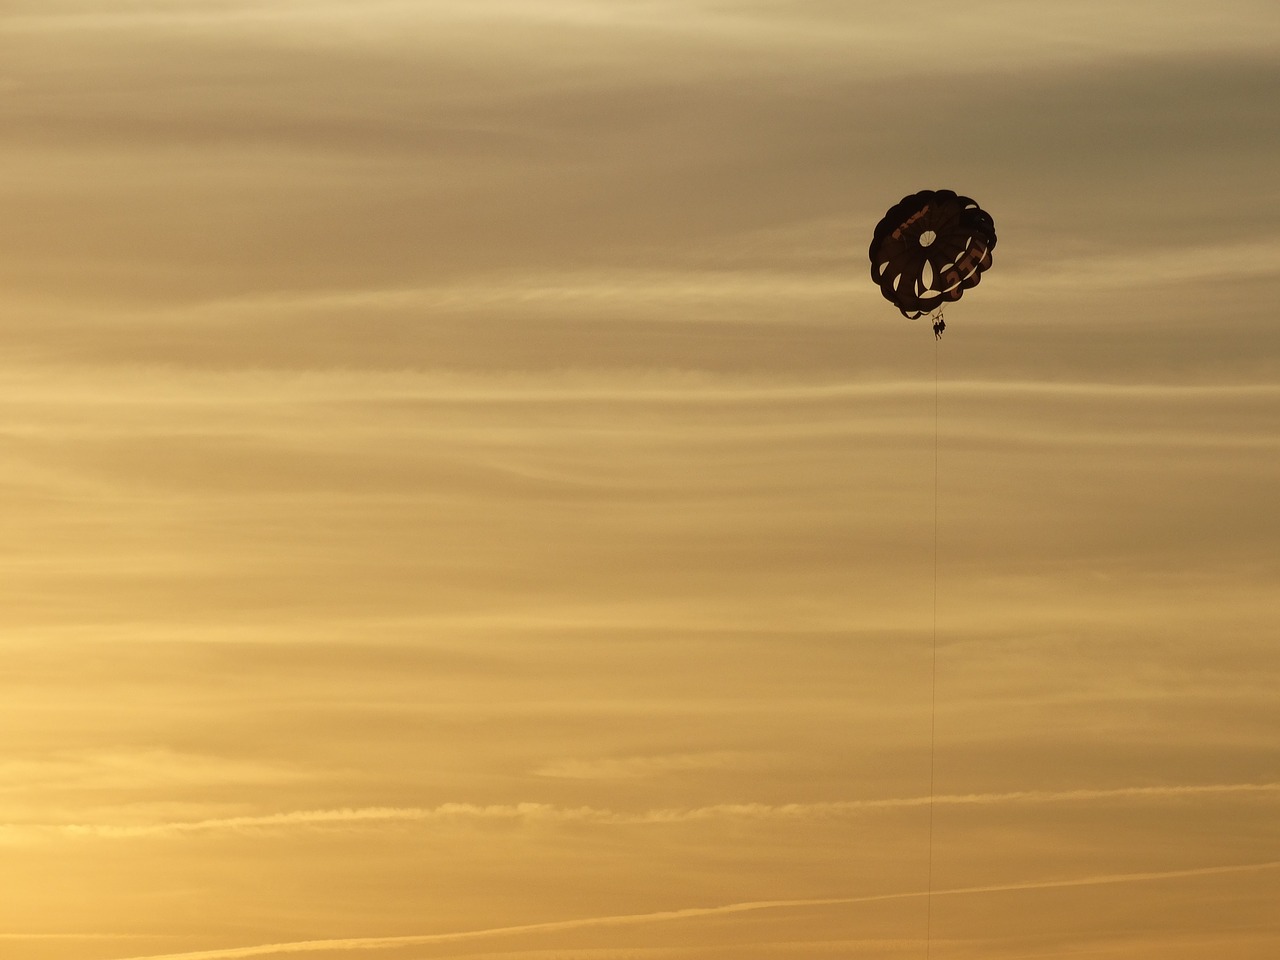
[{"x": 933, "y": 671}]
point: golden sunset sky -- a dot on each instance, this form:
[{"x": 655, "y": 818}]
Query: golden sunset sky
[{"x": 463, "y": 495}]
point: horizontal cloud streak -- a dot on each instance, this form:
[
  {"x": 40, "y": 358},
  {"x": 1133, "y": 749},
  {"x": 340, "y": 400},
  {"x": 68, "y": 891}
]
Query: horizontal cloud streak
[
  {"x": 542, "y": 812},
  {"x": 68, "y": 387},
  {"x": 634, "y": 768},
  {"x": 78, "y": 936},
  {"x": 373, "y": 943}
]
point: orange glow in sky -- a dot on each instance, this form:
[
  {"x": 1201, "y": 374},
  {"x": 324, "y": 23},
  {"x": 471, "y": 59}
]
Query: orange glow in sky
[{"x": 464, "y": 496}]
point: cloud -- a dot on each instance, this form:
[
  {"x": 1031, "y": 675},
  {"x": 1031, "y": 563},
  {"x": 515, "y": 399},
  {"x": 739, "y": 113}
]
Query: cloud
[
  {"x": 1188, "y": 264},
  {"x": 634, "y": 768},
  {"x": 134, "y": 769},
  {"x": 661, "y": 916},
  {"x": 78, "y": 936},
  {"x": 549, "y": 813}
]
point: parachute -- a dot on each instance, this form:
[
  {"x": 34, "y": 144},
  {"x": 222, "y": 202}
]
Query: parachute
[{"x": 929, "y": 248}]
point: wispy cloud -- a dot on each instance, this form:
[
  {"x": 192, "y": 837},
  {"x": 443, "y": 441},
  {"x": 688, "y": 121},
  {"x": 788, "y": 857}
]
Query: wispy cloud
[
  {"x": 846, "y": 807},
  {"x": 543, "y": 812},
  {"x": 114, "y": 769},
  {"x": 1154, "y": 267},
  {"x": 79, "y": 936},
  {"x": 218, "y": 395},
  {"x": 688, "y": 913},
  {"x": 635, "y": 768}
]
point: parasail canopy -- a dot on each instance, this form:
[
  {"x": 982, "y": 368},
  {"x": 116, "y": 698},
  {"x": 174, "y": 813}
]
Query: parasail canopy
[{"x": 929, "y": 248}]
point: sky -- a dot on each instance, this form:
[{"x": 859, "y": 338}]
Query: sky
[{"x": 462, "y": 494}]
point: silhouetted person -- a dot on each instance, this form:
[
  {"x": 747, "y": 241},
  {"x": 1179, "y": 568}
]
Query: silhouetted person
[{"x": 938, "y": 326}]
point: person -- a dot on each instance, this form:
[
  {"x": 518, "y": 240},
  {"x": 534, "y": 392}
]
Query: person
[{"x": 938, "y": 326}]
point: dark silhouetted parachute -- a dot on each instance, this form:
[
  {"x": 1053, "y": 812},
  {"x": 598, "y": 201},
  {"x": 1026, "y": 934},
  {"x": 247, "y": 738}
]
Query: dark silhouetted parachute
[{"x": 929, "y": 248}]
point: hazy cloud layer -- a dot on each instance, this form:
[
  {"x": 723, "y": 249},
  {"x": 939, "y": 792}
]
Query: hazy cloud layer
[
  {"x": 690, "y": 913},
  {"x": 449, "y": 446}
]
